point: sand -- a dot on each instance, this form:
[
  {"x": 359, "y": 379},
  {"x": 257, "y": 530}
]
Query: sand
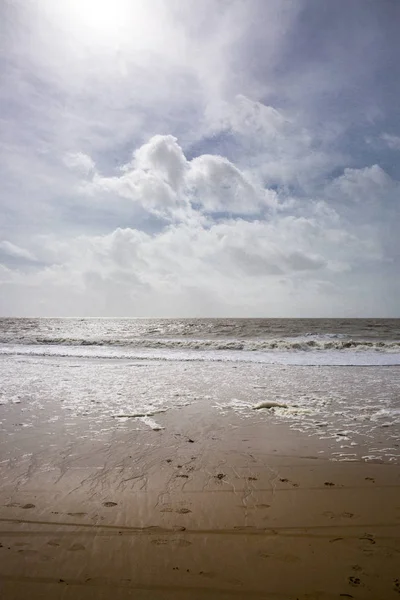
[{"x": 213, "y": 506}]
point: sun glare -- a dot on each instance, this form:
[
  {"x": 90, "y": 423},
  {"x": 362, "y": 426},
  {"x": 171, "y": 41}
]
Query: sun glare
[
  {"x": 100, "y": 21},
  {"x": 102, "y": 17},
  {"x": 129, "y": 25}
]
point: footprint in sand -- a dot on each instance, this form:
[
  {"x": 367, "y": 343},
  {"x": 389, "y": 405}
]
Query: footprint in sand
[
  {"x": 76, "y": 514},
  {"x": 332, "y": 515},
  {"x": 368, "y": 537},
  {"x": 288, "y": 558},
  {"x": 285, "y": 480},
  {"x": 109, "y": 504},
  {"x": 183, "y": 543},
  {"x": 76, "y": 547},
  {"x": 183, "y": 511},
  {"x": 169, "y": 542},
  {"x": 329, "y": 484},
  {"x": 354, "y": 581}
]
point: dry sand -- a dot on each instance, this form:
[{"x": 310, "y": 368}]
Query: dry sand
[{"x": 211, "y": 507}]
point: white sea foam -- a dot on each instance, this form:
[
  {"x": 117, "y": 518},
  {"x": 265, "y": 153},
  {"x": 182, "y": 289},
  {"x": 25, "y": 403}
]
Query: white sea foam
[
  {"x": 294, "y": 357},
  {"x": 308, "y": 342},
  {"x": 269, "y": 404},
  {"x": 328, "y": 403},
  {"x": 151, "y": 423}
]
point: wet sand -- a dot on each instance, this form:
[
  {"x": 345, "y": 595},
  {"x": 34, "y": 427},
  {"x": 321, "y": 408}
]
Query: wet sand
[{"x": 213, "y": 506}]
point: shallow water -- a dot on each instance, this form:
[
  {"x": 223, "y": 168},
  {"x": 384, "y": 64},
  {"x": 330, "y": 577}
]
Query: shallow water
[{"x": 355, "y": 412}]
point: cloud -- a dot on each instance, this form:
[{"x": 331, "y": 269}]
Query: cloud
[
  {"x": 392, "y": 141},
  {"x": 364, "y": 186},
  {"x": 80, "y": 162},
  {"x": 163, "y": 181},
  {"x": 162, "y": 155},
  {"x": 13, "y": 251},
  {"x": 235, "y": 265},
  {"x": 272, "y": 143},
  {"x": 206, "y": 158},
  {"x": 218, "y": 186}
]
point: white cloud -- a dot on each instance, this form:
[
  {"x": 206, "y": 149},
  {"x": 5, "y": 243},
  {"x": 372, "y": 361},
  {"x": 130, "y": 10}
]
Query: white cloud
[
  {"x": 163, "y": 156},
  {"x": 302, "y": 251},
  {"x": 274, "y": 146},
  {"x": 15, "y": 251},
  {"x": 185, "y": 158},
  {"x": 392, "y": 141},
  {"x": 80, "y": 162},
  {"x": 6, "y": 274},
  {"x": 362, "y": 186},
  {"x": 163, "y": 181},
  {"x": 218, "y": 186},
  {"x": 234, "y": 266}
]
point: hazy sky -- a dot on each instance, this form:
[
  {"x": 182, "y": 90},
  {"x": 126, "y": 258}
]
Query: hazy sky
[{"x": 200, "y": 157}]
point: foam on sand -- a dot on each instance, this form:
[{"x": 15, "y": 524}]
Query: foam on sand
[
  {"x": 151, "y": 423},
  {"x": 139, "y": 415},
  {"x": 269, "y": 404}
]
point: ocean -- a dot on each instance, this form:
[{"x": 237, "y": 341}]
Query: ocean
[
  {"x": 337, "y": 380},
  {"x": 274, "y": 341}
]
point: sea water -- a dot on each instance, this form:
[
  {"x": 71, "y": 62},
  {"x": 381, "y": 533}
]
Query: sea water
[{"x": 338, "y": 379}]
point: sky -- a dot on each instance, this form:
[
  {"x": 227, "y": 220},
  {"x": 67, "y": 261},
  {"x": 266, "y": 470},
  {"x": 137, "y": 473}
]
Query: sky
[{"x": 200, "y": 158}]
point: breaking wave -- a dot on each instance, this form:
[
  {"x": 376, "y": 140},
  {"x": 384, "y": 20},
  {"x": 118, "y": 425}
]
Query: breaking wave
[{"x": 305, "y": 343}]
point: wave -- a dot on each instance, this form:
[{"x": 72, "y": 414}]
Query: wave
[
  {"x": 306, "y": 343},
  {"x": 283, "y": 357}
]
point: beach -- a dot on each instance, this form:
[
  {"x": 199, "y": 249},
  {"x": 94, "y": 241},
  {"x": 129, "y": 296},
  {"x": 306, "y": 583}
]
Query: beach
[
  {"x": 200, "y": 300},
  {"x": 199, "y": 494}
]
